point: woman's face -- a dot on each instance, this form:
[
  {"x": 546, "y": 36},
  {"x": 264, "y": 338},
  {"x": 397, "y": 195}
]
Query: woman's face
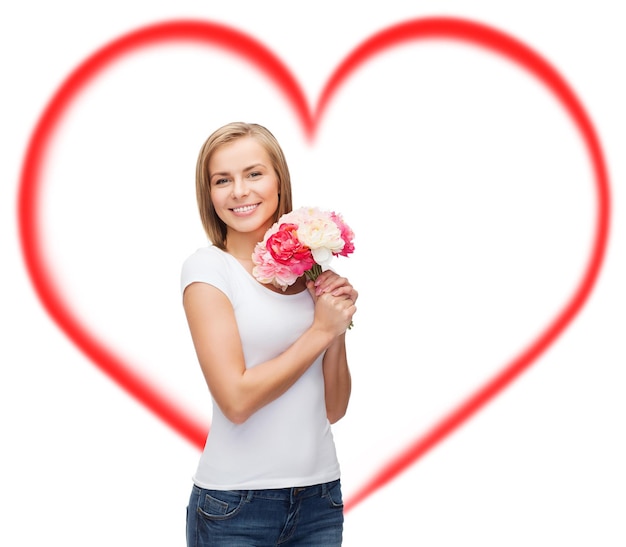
[{"x": 244, "y": 186}]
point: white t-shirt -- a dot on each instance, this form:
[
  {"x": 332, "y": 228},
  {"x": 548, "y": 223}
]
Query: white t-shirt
[{"x": 288, "y": 442}]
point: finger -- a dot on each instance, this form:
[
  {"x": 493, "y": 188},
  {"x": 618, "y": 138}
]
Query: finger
[
  {"x": 311, "y": 288},
  {"x": 330, "y": 283},
  {"x": 324, "y": 276},
  {"x": 347, "y": 290}
]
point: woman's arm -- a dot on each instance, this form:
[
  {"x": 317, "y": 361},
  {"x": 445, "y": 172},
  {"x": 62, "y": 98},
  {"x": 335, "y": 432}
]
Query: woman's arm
[
  {"x": 337, "y": 379},
  {"x": 239, "y": 392}
]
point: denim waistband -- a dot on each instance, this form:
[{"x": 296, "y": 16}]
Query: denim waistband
[
  {"x": 295, "y": 493},
  {"x": 290, "y": 494}
]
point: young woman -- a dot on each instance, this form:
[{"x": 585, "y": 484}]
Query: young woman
[{"x": 274, "y": 362}]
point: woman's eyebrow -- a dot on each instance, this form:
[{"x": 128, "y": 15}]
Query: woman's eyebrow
[{"x": 254, "y": 166}]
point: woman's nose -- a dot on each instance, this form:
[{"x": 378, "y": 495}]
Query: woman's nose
[{"x": 240, "y": 188}]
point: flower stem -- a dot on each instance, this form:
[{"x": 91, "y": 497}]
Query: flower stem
[{"x": 314, "y": 272}]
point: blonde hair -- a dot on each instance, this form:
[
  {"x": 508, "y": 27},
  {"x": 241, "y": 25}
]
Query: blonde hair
[{"x": 213, "y": 225}]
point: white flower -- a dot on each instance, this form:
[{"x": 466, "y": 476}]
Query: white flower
[{"x": 323, "y": 256}]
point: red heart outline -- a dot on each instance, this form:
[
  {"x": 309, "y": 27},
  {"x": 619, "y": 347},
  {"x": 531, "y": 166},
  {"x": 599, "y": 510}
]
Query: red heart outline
[{"x": 229, "y": 39}]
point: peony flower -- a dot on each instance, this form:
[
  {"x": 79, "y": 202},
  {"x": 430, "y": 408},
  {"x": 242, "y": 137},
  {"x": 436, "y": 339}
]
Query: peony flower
[
  {"x": 268, "y": 270},
  {"x": 347, "y": 235},
  {"x": 287, "y": 249},
  {"x": 323, "y": 237}
]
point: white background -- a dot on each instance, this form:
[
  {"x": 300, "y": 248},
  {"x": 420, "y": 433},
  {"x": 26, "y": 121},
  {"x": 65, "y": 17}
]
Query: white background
[{"x": 473, "y": 204}]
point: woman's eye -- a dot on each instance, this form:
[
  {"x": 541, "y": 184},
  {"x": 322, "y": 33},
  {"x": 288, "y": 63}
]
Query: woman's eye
[
  {"x": 255, "y": 174},
  {"x": 221, "y": 181}
]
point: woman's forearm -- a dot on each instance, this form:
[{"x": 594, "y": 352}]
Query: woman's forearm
[{"x": 337, "y": 379}]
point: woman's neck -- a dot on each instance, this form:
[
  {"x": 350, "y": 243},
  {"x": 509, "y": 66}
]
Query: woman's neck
[{"x": 241, "y": 246}]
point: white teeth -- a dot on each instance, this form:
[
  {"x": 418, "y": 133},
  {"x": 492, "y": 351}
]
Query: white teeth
[{"x": 244, "y": 209}]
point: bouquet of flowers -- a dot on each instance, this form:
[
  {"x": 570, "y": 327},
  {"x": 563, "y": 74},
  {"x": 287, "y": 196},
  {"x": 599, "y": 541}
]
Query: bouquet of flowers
[{"x": 303, "y": 241}]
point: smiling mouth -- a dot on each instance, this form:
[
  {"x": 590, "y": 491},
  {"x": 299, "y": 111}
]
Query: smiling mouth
[{"x": 245, "y": 208}]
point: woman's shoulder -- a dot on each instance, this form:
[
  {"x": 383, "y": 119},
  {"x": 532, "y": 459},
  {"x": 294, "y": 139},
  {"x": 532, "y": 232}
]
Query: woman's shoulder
[
  {"x": 206, "y": 264},
  {"x": 209, "y": 254}
]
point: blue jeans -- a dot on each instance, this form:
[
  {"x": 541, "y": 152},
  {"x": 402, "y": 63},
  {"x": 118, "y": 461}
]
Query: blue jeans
[{"x": 310, "y": 516}]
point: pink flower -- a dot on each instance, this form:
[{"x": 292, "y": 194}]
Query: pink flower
[
  {"x": 267, "y": 270},
  {"x": 286, "y": 249},
  {"x": 346, "y": 234}
]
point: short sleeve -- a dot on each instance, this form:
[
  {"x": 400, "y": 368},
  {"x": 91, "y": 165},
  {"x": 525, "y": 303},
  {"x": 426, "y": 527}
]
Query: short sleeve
[{"x": 206, "y": 265}]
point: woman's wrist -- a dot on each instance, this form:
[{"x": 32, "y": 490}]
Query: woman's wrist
[{"x": 322, "y": 335}]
